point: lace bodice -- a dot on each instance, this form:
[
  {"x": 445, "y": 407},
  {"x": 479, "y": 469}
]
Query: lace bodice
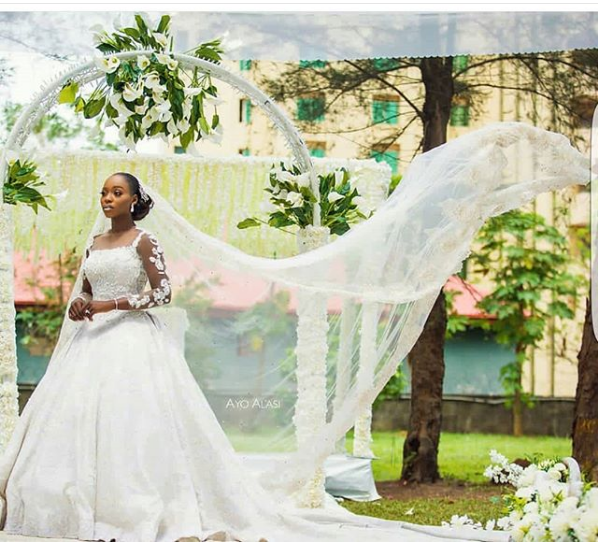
[{"x": 121, "y": 272}]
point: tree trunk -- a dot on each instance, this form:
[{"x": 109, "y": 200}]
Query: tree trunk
[
  {"x": 585, "y": 420},
  {"x": 426, "y": 359}
]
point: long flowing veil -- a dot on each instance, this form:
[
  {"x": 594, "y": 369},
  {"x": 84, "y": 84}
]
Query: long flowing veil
[{"x": 376, "y": 285}]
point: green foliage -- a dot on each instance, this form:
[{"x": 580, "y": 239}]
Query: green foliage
[
  {"x": 134, "y": 92},
  {"x": 20, "y": 186},
  {"x": 292, "y": 201},
  {"x": 42, "y": 323},
  {"x": 528, "y": 261}
]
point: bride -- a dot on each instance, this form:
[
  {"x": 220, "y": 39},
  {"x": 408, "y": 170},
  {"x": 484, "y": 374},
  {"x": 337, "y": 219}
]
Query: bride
[{"x": 118, "y": 441}]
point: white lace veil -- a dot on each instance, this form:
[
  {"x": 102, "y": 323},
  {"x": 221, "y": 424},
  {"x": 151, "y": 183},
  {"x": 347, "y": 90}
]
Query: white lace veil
[{"x": 378, "y": 283}]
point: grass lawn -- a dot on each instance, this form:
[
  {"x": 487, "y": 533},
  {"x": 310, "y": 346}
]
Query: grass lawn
[
  {"x": 462, "y": 456},
  {"x": 464, "y": 489}
]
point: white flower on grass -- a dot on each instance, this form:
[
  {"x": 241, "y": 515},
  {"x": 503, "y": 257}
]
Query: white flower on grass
[
  {"x": 130, "y": 93},
  {"x": 108, "y": 64},
  {"x": 334, "y": 196},
  {"x": 161, "y": 39},
  {"x": 151, "y": 80},
  {"x": 142, "y": 61},
  {"x": 168, "y": 61}
]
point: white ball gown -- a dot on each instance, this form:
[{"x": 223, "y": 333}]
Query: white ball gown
[{"x": 119, "y": 442}]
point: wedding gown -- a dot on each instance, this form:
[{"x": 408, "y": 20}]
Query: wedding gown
[{"x": 118, "y": 440}]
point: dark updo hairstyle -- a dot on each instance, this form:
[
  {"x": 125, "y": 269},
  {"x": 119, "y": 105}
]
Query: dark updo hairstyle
[{"x": 141, "y": 207}]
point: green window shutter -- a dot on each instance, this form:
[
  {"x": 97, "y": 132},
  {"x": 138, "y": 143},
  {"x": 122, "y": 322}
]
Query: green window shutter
[
  {"x": 247, "y": 111},
  {"x": 312, "y": 63},
  {"x": 459, "y": 115},
  {"x": 385, "y": 111},
  {"x": 179, "y": 150},
  {"x": 390, "y": 157},
  {"x": 310, "y": 109},
  {"x": 460, "y": 62},
  {"x": 385, "y": 64},
  {"x": 318, "y": 152},
  {"x": 245, "y": 152},
  {"x": 245, "y": 65}
]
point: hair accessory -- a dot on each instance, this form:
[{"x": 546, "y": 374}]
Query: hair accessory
[{"x": 143, "y": 193}]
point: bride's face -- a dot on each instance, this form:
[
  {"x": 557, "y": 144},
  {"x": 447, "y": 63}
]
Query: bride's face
[{"x": 116, "y": 198}]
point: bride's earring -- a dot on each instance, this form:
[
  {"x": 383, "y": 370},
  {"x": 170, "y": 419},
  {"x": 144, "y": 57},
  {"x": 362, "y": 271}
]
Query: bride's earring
[{"x": 132, "y": 207}]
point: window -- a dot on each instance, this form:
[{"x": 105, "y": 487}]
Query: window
[
  {"x": 316, "y": 148},
  {"x": 312, "y": 63},
  {"x": 245, "y": 65},
  {"x": 245, "y": 152},
  {"x": 459, "y": 115},
  {"x": 245, "y": 111},
  {"x": 385, "y": 64},
  {"x": 179, "y": 150},
  {"x": 460, "y": 62},
  {"x": 389, "y": 155},
  {"x": 385, "y": 110},
  {"x": 311, "y": 109}
]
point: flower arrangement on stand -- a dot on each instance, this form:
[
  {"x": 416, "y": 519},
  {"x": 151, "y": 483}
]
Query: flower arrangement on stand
[
  {"x": 151, "y": 95},
  {"x": 292, "y": 200},
  {"x": 551, "y": 502}
]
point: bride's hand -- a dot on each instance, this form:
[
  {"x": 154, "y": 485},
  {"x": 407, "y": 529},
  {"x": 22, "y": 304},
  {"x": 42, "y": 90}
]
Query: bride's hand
[
  {"x": 97, "y": 307},
  {"x": 76, "y": 309}
]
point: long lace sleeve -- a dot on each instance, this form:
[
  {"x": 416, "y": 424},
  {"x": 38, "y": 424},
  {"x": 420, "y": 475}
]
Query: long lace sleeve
[
  {"x": 86, "y": 293},
  {"x": 155, "y": 267}
]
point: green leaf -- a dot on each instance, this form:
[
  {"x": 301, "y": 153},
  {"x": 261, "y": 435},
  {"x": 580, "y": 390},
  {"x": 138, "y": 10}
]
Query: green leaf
[
  {"x": 94, "y": 108},
  {"x": 133, "y": 32},
  {"x": 187, "y": 137},
  {"x": 164, "y": 22},
  {"x": 248, "y": 223},
  {"x": 68, "y": 93}
]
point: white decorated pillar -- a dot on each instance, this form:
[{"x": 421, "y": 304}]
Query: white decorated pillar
[{"x": 311, "y": 351}]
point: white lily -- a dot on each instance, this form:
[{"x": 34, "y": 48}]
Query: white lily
[
  {"x": 164, "y": 112},
  {"x": 338, "y": 177},
  {"x": 172, "y": 127},
  {"x": 107, "y": 64},
  {"x": 142, "y": 61},
  {"x": 126, "y": 139},
  {"x": 161, "y": 39},
  {"x": 268, "y": 207},
  {"x": 168, "y": 61},
  {"x": 116, "y": 101},
  {"x": 303, "y": 179},
  {"x": 287, "y": 176},
  {"x": 187, "y": 107},
  {"x": 151, "y": 80},
  {"x": 149, "y": 21},
  {"x": 362, "y": 205},
  {"x": 11, "y": 157},
  {"x": 142, "y": 109},
  {"x": 214, "y": 135},
  {"x": 334, "y": 196},
  {"x": 150, "y": 117},
  {"x": 130, "y": 93},
  {"x": 212, "y": 100},
  {"x": 295, "y": 199},
  {"x": 183, "y": 125},
  {"x": 192, "y": 91}
]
